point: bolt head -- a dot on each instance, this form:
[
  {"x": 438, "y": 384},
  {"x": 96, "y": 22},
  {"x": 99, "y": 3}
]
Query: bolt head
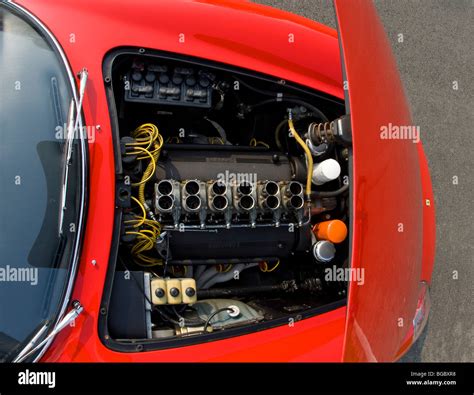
[{"x": 174, "y": 292}]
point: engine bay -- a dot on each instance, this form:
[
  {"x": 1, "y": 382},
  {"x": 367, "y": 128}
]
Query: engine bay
[{"x": 232, "y": 200}]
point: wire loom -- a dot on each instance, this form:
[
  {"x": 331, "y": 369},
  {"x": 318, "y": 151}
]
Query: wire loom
[{"x": 147, "y": 146}]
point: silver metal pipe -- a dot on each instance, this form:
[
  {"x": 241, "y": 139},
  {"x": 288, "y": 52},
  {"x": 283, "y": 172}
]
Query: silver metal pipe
[
  {"x": 295, "y": 203},
  {"x": 192, "y": 187},
  {"x": 192, "y": 203},
  {"x": 165, "y": 187},
  {"x": 213, "y": 228},
  {"x": 295, "y": 188},
  {"x": 165, "y": 204},
  {"x": 245, "y": 188},
  {"x": 219, "y": 203},
  {"x": 247, "y": 202},
  {"x": 218, "y": 188},
  {"x": 270, "y": 188},
  {"x": 271, "y": 203}
]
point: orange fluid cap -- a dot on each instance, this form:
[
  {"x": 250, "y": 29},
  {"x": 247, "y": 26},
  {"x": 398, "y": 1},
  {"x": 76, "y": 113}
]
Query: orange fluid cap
[{"x": 334, "y": 231}]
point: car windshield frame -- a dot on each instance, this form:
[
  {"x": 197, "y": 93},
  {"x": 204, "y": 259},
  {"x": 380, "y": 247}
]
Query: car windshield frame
[{"x": 62, "y": 273}]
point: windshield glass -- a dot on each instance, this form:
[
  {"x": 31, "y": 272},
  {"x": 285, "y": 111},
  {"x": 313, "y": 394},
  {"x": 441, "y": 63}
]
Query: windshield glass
[{"x": 35, "y": 257}]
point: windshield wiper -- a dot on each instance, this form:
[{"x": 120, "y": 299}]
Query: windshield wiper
[
  {"x": 73, "y": 123},
  {"x": 13, "y": 348},
  {"x": 34, "y": 346}
]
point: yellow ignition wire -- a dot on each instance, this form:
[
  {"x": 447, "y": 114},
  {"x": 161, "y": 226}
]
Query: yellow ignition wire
[
  {"x": 153, "y": 224},
  {"x": 254, "y": 143},
  {"x": 226, "y": 270},
  {"x": 264, "y": 267},
  {"x": 148, "y": 231},
  {"x": 157, "y": 142},
  {"x": 173, "y": 138},
  {"x": 141, "y": 141},
  {"x": 141, "y": 221},
  {"x": 223, "y": 269},
  {"x": 181, "y": 271},
  {"x": 215, "y": 140},
  {"x": 146, "y": 136},
  {"x": 309, "y": 156},
  {"x": 147, "y": 175},
  {"x": 146, "y": 128},
  {"x": 145, "y": 261},
  {"x": 274, "y": 267},
  {"x": 141, "y": 235}
]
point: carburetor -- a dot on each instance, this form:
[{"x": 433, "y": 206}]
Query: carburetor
[
  {"x": 227, "y": 187},
  {"x": 213, "y": 203}
]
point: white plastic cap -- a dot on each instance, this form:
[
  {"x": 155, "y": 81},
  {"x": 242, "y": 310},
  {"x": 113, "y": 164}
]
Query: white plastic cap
[{"x": 326, "y": 171}]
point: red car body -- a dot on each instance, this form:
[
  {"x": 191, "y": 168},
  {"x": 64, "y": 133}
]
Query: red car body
[{"x": 390, "y": 186}]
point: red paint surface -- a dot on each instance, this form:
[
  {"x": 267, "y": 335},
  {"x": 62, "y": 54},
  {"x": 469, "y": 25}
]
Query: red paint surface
[
  {"x": 233, "y": 32},
  {"x": 255, "y": 37},
  {"x": 388, "y": 196},
  {"x": 429, "y": 219}
]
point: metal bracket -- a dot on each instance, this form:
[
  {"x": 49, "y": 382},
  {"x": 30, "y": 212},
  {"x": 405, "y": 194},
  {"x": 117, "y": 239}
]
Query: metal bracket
[{"x": 343, "y": 130}]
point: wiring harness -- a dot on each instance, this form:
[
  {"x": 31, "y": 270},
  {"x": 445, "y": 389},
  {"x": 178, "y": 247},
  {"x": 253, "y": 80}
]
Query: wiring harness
[{"x": 147, "y": 145}]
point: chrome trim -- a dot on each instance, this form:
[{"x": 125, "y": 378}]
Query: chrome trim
[
  {"x": 30, "y": 344},
  {"x": 65, "y": 321},
  {"x": 79, "y": 228}
]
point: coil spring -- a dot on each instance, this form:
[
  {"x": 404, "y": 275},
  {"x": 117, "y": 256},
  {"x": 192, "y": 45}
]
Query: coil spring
[{"x": 322, "y": 132}]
